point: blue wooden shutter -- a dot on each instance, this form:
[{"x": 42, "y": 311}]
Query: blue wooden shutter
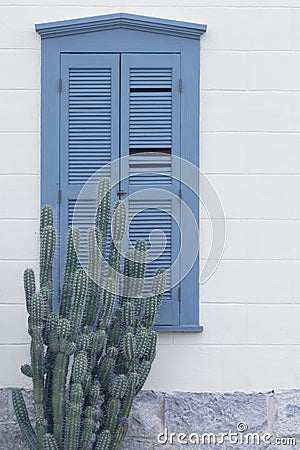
[
  {"x": 89, "y": 121},
  {"x": 150, "y": 134}
]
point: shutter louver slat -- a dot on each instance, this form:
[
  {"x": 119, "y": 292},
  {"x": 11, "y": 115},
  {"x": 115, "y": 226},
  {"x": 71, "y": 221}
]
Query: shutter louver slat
[
  {"x": 89, "y": 122},
  {"x": 150, "y": 125},
  {"x": 144, "y": 217},
  {"x": 155, "y": 129}
]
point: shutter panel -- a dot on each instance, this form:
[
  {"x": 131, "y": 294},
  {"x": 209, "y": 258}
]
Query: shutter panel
[
  {"x": 150, "y": 134},
  {"x": 89, "y": 122}
]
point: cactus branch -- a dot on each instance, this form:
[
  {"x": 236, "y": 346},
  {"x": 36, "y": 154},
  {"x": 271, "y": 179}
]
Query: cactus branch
[{"x": 23, "y": 419}]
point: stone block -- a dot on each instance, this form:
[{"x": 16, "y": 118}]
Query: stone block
[
  {"x": 146, "y": 418},
  {"x": 287, "y": 416},
  {"x": 215, "y": 413}
]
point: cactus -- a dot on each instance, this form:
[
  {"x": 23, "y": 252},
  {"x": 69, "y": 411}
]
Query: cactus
[
  {"x": 118, "y": 386},
  {"x": 88, "y": 428},
  {"x": 112, "y": 412},
  {"x": 23, "y": 420},
  {"x": 49, "y": 443},
  {"x": 151, "y": 305},
  {"x": 46, "y": 218},
  {"x": 119, "y": 435},
  {"x": 93, "y": 291},
  {"x": 128, "y": 346},
  {"x": 72, "y": 431},
  {"x": 151, "y": 347},
  {"x": 103, "y": 440},
  {"x": 79, "y": 367},
  {"x": 70, "y": 270},
  {"x": 105, "y": 371},
  {"x": 26, "y": 370},
  {"x": 91, "y": 358},
  {"x": 46, "y": 255},
  {"x": 97, "y": 341},
  {"x": 109, "y": 296},
  {"x": 29, "y": 287},
  {"x": 77, "y": 307}
]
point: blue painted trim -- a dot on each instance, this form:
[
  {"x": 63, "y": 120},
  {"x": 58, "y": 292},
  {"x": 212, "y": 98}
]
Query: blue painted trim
[
  {"x": 50, "y": 129},
  {"x": 179, "y": 329},
  {"x": 120, "y": 20},
  {"x": 190, "y": 120}
]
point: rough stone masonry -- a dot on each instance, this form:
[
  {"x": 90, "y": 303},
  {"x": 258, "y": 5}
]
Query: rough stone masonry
[{"x": 275, "y": 413}]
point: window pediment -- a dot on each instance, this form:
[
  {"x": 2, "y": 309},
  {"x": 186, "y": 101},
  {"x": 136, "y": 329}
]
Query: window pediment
[{"x": 120, "y": 20}]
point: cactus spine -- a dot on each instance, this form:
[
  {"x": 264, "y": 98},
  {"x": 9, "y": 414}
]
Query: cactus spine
[{"x": 89, "y": 360}]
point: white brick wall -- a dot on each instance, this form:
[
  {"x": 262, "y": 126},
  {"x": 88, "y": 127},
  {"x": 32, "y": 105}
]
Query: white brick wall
[{"x": 250, "y": 150}]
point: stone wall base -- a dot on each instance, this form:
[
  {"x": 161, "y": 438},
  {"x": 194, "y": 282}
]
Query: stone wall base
[{"x": 256, "y": 421}]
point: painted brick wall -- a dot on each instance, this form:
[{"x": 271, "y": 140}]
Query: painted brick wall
[{"x": 250, "y": 101}]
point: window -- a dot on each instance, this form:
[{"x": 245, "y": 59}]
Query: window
[{"x": 126, "y": 86}]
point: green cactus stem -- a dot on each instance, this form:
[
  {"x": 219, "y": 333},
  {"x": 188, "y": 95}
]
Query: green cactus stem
[
  {"x": 72, "y": 429},
  {"x": 23, "y": 420},
  {"x": 50, "y": 339},
  {"x": 119, "y": 435},
  {"x": 70, "y": 270},
  {"x": 77, "y": 307},
  {"x": 103, "y": 212},
  {"x": 41, "y": 427},
  {"x": 29, "y": 287},
  {"x": 59, "y": 379},
  {"x": 112, "y": 414},
  {"x": 134, "y": 270},
  {"x": 47, "y": 248},
  {"x": 109, "y": 296},
  {"x": 114, "y": 265},
  {"x": 49, "y": 442},
  {"x": 105, "y": 371},
  {"x": 151, "y": 347},
  {"x": 114, "y": 333},
  {"x": 36, "y": 320},
  {"x": 97, "y": 342},
  {"x": 89, "y": 420},
  {"x": 159, "y": 284},
  {"x": 139, "y": 256},
  {"x": 118, "y": 386},
  {"x": 119, "y": 221},
  {"x": 127, "y": 401},
  {"x": 151, "y": 307},
  {"x": 128, "y": 314},
  {"x": 103, "y": 440},
  {"x": 93, "y": 291},
  {"x": 94, "y": 394},
  {"x": 143, "y": 372},
  {"x": 46, "y": 292},
  {"x": 46, "y": 218},
  {"x": 128, "y": 346},
  {"x": 26, "y": 370},
  {"x": 142, "y": 339},
  {"x": 79, "y": 369},
  {"x": 59, "y": 394}
]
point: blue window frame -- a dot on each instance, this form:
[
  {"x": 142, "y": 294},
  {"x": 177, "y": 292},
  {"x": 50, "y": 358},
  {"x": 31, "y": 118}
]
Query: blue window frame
[{"x": 116, "y": 86}]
